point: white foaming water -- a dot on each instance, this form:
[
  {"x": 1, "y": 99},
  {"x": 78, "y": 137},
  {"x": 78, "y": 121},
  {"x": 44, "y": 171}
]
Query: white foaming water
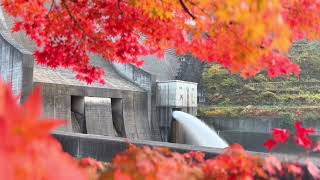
[{"x": 197, "y": 132}]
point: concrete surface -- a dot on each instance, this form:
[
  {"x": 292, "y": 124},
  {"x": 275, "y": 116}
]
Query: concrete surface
[
  {"x": 16, "y": 68},
  {"x": 104, "y": 148},
  {"x": 99, "y": 116},
  {"x": 258, "y": 124},
  {"x": 57, "y": 104}
]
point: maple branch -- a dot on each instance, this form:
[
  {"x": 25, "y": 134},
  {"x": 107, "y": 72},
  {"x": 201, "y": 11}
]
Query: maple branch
[
  {"x": 51, "y": 6},
  {"x": 52, "y": 3},
  {"x": 201, "y": 9},
  {"x": 119, "y": 6},
  {"x": 185, "y": 8},
  {"x": 75, "y": 20}
]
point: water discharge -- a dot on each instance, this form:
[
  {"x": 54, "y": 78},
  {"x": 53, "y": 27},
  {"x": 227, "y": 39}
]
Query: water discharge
[{"x": 197, "y": 132}]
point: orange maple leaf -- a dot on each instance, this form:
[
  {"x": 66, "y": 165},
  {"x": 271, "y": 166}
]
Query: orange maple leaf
[{"x": 27, "y": 150}]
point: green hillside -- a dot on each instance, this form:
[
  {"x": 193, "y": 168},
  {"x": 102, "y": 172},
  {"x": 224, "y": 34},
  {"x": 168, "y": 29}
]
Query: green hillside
[{"x": 231, "y": 96}]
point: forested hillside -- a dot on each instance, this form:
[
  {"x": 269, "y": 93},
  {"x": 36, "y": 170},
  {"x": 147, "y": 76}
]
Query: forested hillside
[{"x": 232, "y": 96}]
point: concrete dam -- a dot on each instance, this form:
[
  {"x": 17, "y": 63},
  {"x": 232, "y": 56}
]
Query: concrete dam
[{"x": 134, "y": 103}]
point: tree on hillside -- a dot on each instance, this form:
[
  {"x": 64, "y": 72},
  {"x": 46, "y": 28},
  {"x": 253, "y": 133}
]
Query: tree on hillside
[{"x": 244, "y": 36}]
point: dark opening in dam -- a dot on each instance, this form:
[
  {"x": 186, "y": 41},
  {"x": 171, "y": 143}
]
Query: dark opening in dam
[
  {"x": 117, "y": 116},
  {"x": 77, "y": 114}
]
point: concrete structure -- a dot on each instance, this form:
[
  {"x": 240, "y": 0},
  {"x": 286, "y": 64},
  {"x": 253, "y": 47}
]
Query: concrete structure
[
  {"x": 170, "y": 96},
  {"x": 104, "y": 148},
  {"x": 61, "y": 92},
  {"x": 15, "y": 67},
  {"x": 64, "y": 97},
  {"x": 175, "y": 93},
  {"x": 125, "y": 106}
]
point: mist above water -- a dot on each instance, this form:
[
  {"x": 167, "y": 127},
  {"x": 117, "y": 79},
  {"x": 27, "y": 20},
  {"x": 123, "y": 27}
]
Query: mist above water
[{"x": 197, "y": 132}]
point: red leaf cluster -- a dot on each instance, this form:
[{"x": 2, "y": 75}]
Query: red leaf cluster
[
  {"x": 270, "y": 144},
  {"x": 157, "y": 163},
  {"x": 279, "y": 135},
  {"x": 234, "y": 163},
  {"x": 245, "y": 36},
  {"x": 27, "y": 150},
  {"x": 302, "y": 137},
  {"x": 161, "y": 163}
]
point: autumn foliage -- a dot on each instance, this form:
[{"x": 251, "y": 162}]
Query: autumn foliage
[
  {"x": 245, "y": 36},
  {"x": 301, "y": 136},
  {"x": 161, "y": 163},
  {"x": 27, "y": 150},
  {"x": 234, "y": 163}
]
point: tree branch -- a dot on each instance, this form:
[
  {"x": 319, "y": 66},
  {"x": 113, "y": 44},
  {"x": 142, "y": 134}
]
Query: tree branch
[
  {"x": 185, "y": 8},
  {"x": 52, "y": 3},
  {"x": 201, "y": 9},
  {"x": 119, "y": 6},
  {"x": 75, "y": 20},
  {"x": 50, "y": 9}
]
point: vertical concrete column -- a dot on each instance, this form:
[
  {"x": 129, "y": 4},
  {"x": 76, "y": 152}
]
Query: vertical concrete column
[
  {"x": 16, "y": 68},
  {"x": 47, "y": 103},
  {"x": 27, "y": 76},
  {"x": 16, "y": 71},
  {"x": 11, "y": 65},
  {"x": 62, "y": 110},
  {"x": 155, "y": 128},
  {"x": 5, "y": 60}
]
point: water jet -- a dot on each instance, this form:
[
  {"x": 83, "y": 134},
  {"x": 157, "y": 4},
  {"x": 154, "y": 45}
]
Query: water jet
[{"x": 197, "y": 132}]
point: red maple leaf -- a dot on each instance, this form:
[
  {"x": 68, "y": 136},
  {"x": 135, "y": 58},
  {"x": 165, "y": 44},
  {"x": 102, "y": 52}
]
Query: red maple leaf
[
  {"x": 303, "y": 141},
  {"x": 303, "y": 135},
  {"x": 281, "y": 135},
  {"x": 270, "y": 144},
  {"x": 27, "y": 150},
  {"x": 301, "y": 131}
]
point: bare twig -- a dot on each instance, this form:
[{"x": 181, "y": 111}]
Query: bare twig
[
  {"x": 75, "y": 20},
  {"x": 119, "y": 6},
  {"x": 50, "y": 9},
  {"x": 52, "y": 3},
  {"x": 185, "y": 8},
  {"x": 201, "y": 9}
]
